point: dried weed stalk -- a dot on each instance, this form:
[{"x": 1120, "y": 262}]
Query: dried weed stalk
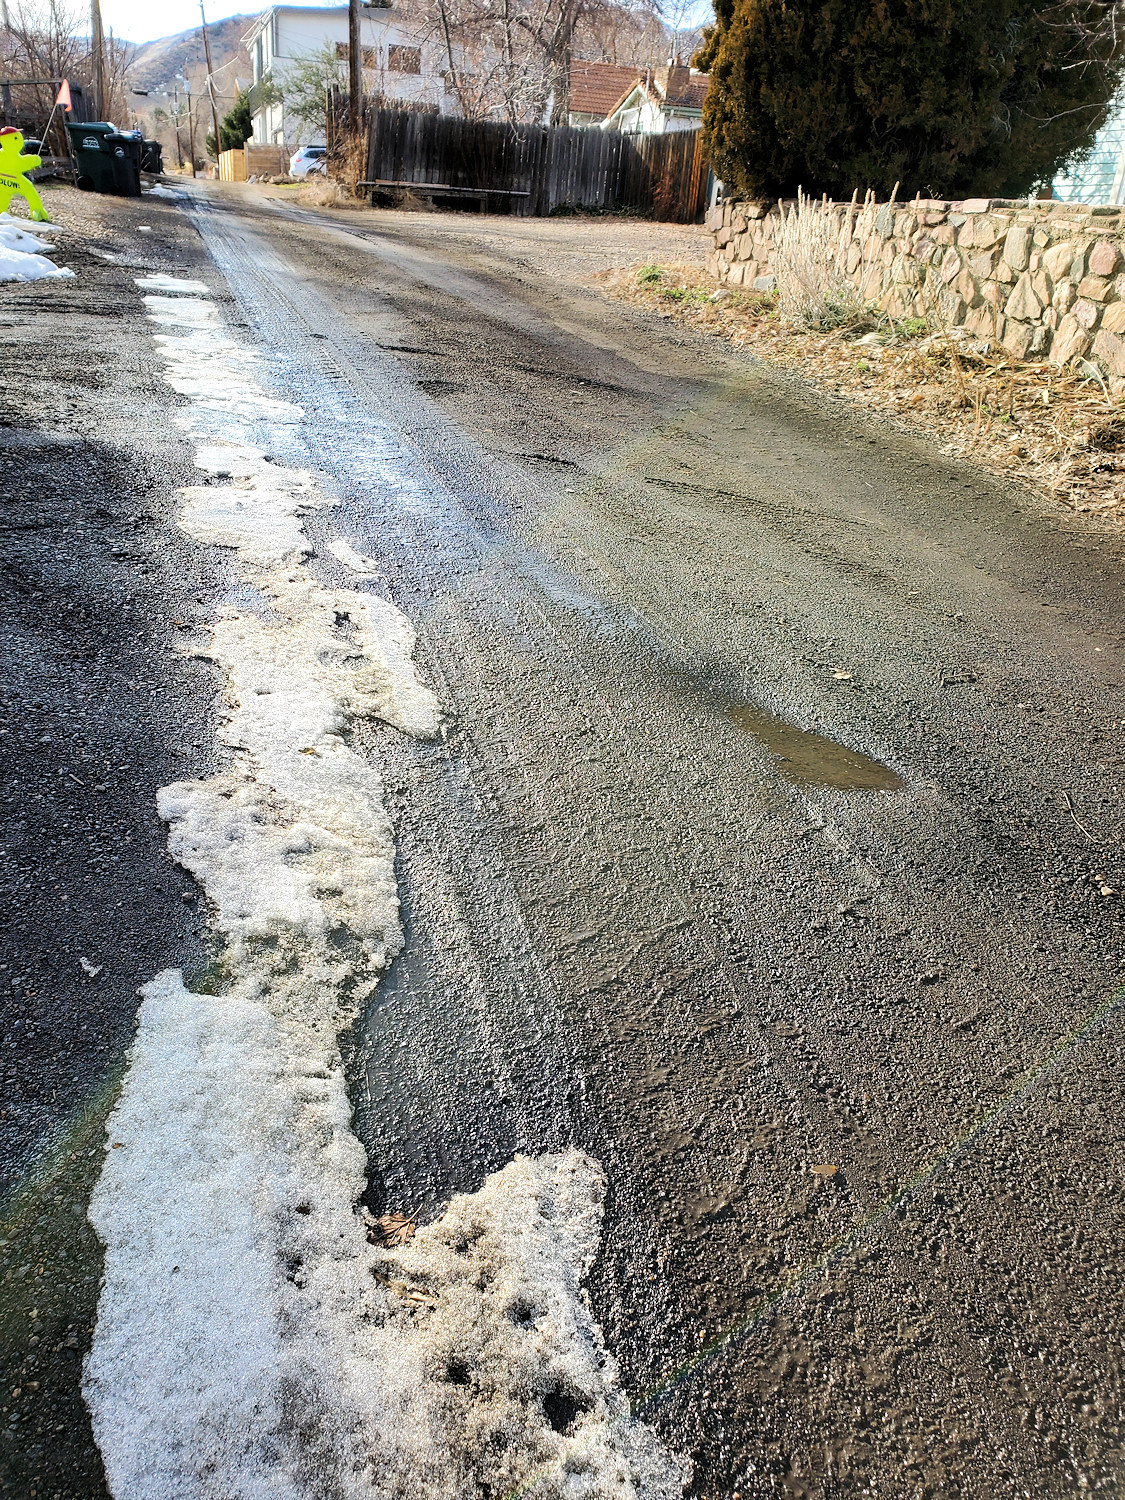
[{"x": 826, "y": 262}]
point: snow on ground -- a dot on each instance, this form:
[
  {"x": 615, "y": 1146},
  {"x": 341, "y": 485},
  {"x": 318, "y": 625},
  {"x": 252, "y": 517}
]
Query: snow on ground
[
  {"x": 16, "y": 236},
  {"x": 21, "y": 257},
  {"x": 251, "y": 1344},
  {"x": 18, "y": 265},
  {"x": 344, "y": 552},
  {"x": 159, "y": 283}
]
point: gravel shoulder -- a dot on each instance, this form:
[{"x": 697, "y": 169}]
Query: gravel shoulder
[{"x": 101, "y": 706}]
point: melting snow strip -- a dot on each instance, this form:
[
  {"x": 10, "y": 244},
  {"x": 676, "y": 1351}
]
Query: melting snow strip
[
  {"x": 250, "y": 1343},
  {"x": 175, "y": 284}
]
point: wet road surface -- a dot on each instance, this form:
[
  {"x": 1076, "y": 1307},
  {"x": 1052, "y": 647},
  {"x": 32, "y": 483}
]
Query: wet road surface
[
  {"x": 770, "y": 854},
  {"x": 773, "y": 843}
]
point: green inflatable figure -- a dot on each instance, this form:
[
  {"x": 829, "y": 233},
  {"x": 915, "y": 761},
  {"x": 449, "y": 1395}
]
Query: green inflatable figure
[{"x": 13, "y": 165}]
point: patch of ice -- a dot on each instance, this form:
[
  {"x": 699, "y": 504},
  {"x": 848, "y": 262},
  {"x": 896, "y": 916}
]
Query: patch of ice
[
  {"x": 250, "y": 1343},
  {"x": 182, "y": 312},
  {"x": 158, "y": 190},
  {"x": 172, "y": 284},
  {"x": 260, "y": 522},
  {"x": 238, "y": 460},
  {"x": 219, "y": 375},
  {"x": 16, "y": 266},
  {"x": 187, "y": 1324},
  {"x": 344, "y": 552}
]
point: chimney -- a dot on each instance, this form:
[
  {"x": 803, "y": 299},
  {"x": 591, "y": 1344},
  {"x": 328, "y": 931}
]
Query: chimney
[{"x": 672, "y": 80}]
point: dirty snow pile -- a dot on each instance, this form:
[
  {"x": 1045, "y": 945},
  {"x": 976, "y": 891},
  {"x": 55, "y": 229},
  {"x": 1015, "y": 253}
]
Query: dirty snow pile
[
  {"x": 251, "y": 1344},
  {"x": 21, "y": 257}
]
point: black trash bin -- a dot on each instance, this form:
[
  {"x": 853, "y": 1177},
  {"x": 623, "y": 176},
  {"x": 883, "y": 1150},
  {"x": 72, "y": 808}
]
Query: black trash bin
[
  {"x": 109, "y": 160},
  {"x": 152, "y": 157},
  {"x": 126, "y": 147}
]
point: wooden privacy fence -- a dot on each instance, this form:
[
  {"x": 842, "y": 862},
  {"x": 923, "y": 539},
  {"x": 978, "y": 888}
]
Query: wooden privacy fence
[{"x": 536, "y": 169}]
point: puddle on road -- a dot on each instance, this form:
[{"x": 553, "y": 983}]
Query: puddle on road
[{"x": 808, "y": 759}]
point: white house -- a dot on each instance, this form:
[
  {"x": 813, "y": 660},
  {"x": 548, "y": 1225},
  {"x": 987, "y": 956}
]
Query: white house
[
  {"x": 659, "y": 101},
  {"x": 1099, "y": 177},
  {"x": 398, "y": 63}
]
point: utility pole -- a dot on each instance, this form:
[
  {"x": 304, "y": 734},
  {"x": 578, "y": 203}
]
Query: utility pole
[
  {"x": 190, "y": 121},
  {"x": 97, "y": 40},
  {"x": 355, "y": 70},
  {"x": 179, "y": 139},
  {"x": 210, "y": 84}
]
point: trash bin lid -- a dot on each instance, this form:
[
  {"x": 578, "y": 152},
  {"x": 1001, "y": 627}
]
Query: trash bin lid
[{"x": 91, "y": 135}]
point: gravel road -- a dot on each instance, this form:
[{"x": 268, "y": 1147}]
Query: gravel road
[{"x": 771, "y": 854}]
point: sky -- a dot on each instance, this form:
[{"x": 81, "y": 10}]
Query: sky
[{"x": 142, "y": 21}]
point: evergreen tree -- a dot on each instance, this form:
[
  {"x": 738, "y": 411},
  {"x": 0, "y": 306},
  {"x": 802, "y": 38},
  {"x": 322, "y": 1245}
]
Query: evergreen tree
[
  {"x": 949, "y": 98},
  {"x": 235, "y": 128}
]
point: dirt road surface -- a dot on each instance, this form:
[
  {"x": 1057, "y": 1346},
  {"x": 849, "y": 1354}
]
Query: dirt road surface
[{"x": 771, "y": 853}]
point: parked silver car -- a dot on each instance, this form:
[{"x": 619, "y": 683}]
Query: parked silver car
[{"x": 309, "y": 160}]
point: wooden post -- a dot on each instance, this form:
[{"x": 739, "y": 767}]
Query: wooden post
[
  {"x": 210, "y": 84},
  {"x": 355, "y": 71},
  {"x": 97, "y": 40}
]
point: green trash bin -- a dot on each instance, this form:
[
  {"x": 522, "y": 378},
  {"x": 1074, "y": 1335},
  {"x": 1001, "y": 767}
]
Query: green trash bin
[{"x": 109, "y": 160}]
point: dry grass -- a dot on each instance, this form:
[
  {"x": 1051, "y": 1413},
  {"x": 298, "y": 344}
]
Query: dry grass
[
  {"x": 811, "y": 252},
  {"x": 338, "y": 190},
  {"x": 1058, "y": 430},
  {"x": 326, "y": 192}
]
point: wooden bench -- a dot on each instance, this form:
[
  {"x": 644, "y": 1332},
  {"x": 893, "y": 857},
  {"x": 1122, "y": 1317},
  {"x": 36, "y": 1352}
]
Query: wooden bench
[{"x": 443, "y": 190}]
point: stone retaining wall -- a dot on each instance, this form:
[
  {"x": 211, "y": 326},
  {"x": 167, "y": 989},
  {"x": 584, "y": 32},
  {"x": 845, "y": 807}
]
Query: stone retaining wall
[{"x": 1046, "y": 281}]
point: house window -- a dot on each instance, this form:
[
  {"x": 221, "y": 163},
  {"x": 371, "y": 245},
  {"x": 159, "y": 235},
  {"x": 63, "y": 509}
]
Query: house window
[
  {"x": 368, "y": 55},
  {"x": 404, "y": 59}
]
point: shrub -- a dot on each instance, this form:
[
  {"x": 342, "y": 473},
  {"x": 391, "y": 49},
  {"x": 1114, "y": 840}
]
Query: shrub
[{"x": 947, "y": 98}]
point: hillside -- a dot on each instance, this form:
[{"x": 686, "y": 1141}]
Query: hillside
[{"x": 156, "y": 64}]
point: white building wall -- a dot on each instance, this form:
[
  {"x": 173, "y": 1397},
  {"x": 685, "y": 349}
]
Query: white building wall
[
  {"x": 640, "y": 114},
  {"x": 287, "y": 34}
]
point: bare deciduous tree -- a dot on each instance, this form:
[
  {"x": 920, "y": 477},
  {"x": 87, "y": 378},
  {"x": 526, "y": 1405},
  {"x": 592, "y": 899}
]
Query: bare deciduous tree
[
  {"x": 48, "y": 40},
  {"x": 510, "y": 59}
]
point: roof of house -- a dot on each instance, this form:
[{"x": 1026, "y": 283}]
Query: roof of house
[
  {"x": 690, "y": 92},
  {"x": 596, "y": 87},
  {"x": 675, "y": 88}
]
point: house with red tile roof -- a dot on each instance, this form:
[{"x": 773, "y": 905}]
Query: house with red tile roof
[
  {"x": 595, "y": 89},
  {"x": 660, "y": 100}
]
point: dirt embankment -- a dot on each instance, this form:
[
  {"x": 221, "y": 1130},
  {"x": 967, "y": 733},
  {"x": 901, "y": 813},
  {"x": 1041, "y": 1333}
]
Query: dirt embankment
[{"x": 1060, "y": 431}]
